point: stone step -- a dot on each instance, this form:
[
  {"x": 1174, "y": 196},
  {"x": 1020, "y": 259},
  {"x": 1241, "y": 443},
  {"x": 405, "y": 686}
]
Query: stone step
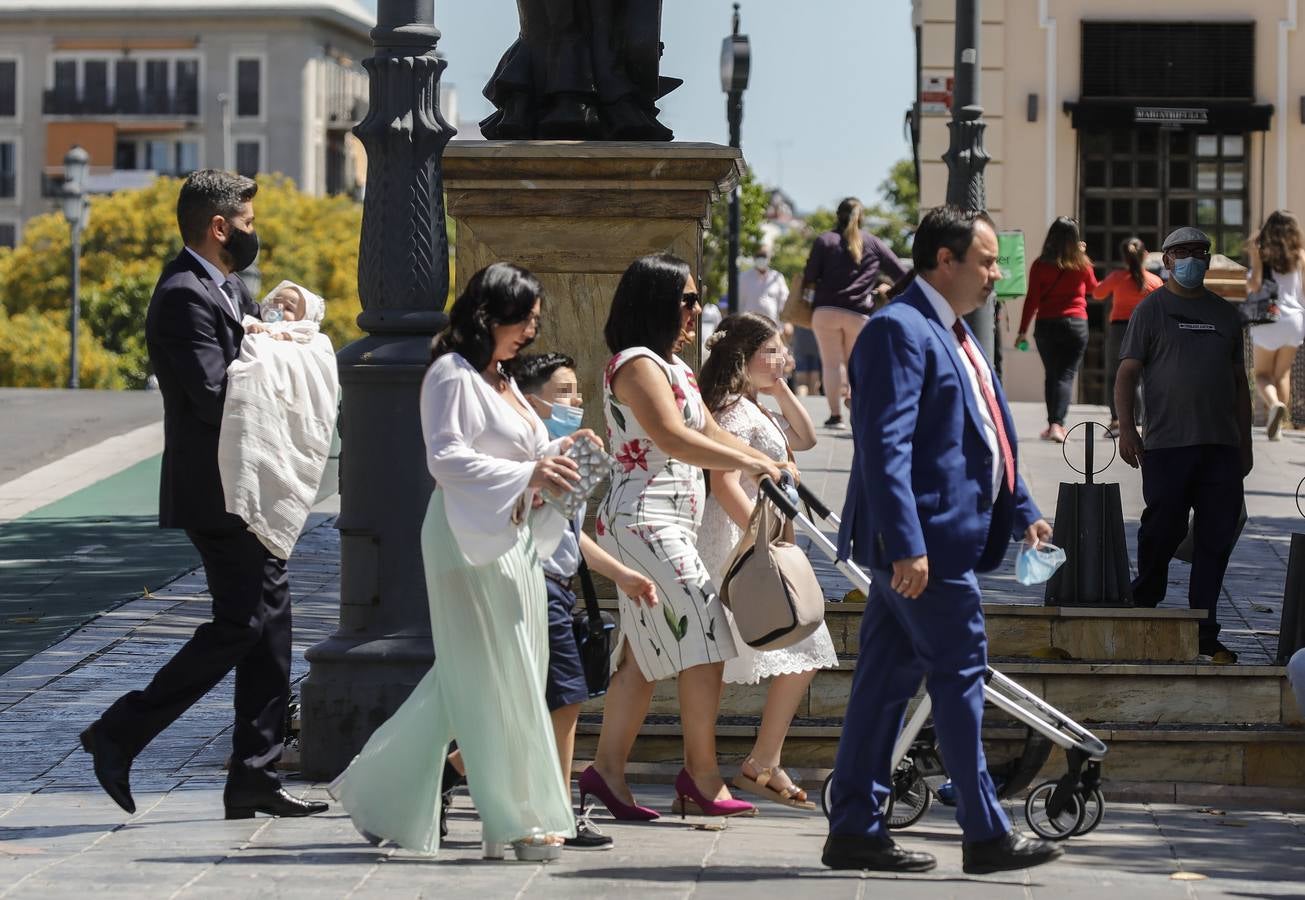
[
  {"x": 1140, "y": 694},
  {"x": 1161, "y": 758},
  {"x": 1055, "y": 632}
]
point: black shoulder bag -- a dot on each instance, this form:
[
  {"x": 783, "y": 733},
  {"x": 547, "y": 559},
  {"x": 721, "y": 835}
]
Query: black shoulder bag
[
  {"x": 594, "y": 630},
  {"x": 1261, "y": 307}
]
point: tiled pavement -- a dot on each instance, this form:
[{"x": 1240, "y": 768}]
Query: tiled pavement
[{"x": 59, "y": 835}]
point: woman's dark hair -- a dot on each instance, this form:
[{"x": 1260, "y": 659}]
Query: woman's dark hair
[
  {"x": 734, "y": 342},
  {"x": 849, "y": 226},
  {"x": 1280, "y": 242},
  {"x": 1061, "y": 247},
  {"x": 499, "y": 294},
  {"x": 646, "y": 306},
  {"x": 1133, "y": 252},
  {"x": 532, "y": 370},
  {"x": 944, "y": 226}
]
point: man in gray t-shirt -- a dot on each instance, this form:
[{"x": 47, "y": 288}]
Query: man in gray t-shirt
[{"x": 1185, "y": 344}]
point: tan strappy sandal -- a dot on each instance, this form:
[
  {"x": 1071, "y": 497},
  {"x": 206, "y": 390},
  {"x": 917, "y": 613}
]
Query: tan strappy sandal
[{"x": 791, "y": 796}]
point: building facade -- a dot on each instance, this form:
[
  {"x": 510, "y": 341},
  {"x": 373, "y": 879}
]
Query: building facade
[
  {"x": 1133, "y": 118},
  {"x": 165, "y": 87}
]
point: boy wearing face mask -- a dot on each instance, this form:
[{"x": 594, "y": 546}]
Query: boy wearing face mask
[
  {"x": 1185, "y": 343},
  {"x": 549, "y": 383}
]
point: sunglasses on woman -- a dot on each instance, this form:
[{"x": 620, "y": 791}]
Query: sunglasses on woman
[{"x": 689, "y": 300}]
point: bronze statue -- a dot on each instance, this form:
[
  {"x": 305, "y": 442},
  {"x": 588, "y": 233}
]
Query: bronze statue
[{"x": 581, "y": 70}]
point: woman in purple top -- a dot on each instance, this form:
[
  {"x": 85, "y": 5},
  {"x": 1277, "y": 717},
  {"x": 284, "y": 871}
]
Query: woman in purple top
[{"x": 843, "y": 268}]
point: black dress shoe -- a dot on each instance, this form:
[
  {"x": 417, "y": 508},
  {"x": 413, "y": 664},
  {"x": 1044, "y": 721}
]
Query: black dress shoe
[
  {"x": 847, "y": 852},
  {"x": 243, "y": 803},
  {"x": 112, "y": 766},
  {"x": 1010, "y": 851}
]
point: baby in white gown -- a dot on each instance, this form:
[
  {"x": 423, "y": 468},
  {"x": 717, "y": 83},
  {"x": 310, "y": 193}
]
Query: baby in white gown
[{"x": 289, "y": 312}]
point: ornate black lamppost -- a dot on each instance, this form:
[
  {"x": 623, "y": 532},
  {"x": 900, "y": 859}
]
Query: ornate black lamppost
[
  {"x": 382, "y": 645},
  {"x": 735, "y": 63},
  {"x": 76, "y": 163},
  {"x": 965, "y": 156}
]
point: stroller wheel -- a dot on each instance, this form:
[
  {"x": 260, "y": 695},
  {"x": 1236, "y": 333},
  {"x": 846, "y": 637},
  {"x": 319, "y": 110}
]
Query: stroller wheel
[
  {"x": 826, "y": 795},
  {"x": 1094, "y": 809},
  {"x": 908, "y": 803},
  {"x": 1060, "y": 826}
]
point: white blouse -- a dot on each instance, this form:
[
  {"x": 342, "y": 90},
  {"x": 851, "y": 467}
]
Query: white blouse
[{"x": 482, "y": 453}]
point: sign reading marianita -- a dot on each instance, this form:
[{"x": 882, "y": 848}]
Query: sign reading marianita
[{"x": 1169, "y": 115}]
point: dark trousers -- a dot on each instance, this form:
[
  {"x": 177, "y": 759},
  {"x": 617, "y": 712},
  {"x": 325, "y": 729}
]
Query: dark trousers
[
  {"x": 1206, "y": 481},
  {"x": 250, "y": 632},
  {"x": 939, "y": 637},
  {"x": 1114, "y": 341},
  {"x": 1061, "y": 343}
]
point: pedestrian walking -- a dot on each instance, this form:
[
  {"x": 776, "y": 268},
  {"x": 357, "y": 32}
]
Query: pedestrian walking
[
  {"x": 663, "y": 436},
  {"x": 1059, "y": 281},
  {"x": 1185, "y": 344},
  {"x": 1277, "y": 251},
  {"x": 549, "y": 383},
  {"x": 935, "y": 496},
  {"x": 193, "y": 333},
  {"x": 762, "y": 290},
  {"x": 747, "y": 363},
  {"x": 843, "y": 270},
  {"x": 806, "y": 361},
  {"x": 489, "y": 454},
  {"x": 1125, "y": 288}
]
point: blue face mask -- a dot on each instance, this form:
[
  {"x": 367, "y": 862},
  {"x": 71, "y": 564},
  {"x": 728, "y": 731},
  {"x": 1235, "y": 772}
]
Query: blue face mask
[
  {"x": 563, "y": 420},
  {"x": 1190, "y": 272},
  {"x": 1035, "y": 565}
]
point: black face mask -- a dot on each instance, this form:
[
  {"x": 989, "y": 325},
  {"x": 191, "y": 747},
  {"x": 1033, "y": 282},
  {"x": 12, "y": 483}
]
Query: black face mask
[{"x": 243, "y": 247}]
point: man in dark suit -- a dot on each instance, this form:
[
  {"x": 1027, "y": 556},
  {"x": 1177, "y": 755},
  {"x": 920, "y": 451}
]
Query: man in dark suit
[
  {"x": 934, "y": 497},
  {"x": 193, "y": 333}
]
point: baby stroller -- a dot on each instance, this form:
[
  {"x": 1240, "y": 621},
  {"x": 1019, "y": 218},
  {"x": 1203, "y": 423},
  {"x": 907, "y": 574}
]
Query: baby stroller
[{"x": 1055, "y": 809}]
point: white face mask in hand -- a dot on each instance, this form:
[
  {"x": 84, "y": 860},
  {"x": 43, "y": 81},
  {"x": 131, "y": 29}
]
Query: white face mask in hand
[{"x": 1037, "y": 563}]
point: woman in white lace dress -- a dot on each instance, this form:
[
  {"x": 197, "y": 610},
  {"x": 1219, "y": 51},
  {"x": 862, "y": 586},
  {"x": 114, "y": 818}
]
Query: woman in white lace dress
[{"x": 747, "y": 360}]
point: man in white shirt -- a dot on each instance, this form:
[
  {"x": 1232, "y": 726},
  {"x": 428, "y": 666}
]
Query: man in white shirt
[{"x": 762, "y": 290}]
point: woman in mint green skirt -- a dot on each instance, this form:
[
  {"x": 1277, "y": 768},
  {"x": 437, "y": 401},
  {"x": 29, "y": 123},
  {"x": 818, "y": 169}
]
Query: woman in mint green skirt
[{"x": 481, "y": 546}]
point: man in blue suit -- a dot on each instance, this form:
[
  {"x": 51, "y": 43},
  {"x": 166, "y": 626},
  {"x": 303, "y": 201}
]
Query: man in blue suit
[{"x": 934, "y": 497}]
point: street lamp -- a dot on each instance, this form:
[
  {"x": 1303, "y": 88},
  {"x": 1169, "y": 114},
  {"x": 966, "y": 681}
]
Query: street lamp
[
  {"x": 965, "y": 155},
  {"x": 73, "y": 197},
  {"x": 735, "y": 64}
]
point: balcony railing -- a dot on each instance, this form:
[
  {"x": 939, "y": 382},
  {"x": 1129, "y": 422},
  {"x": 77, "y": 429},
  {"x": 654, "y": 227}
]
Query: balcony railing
[{"x": 133, "y": 103}]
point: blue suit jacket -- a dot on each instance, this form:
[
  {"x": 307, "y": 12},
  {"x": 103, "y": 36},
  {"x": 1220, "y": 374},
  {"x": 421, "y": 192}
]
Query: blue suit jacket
[
  {"x": 192, "y": 338},
  {"x": 921, "y": 479}
]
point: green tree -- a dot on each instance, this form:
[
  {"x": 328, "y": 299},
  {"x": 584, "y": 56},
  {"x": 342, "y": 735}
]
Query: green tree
[
  {"x": 753, "y": 199},
  {"x": 131, "y": 235},
  {"x": 894, "y": 216}
]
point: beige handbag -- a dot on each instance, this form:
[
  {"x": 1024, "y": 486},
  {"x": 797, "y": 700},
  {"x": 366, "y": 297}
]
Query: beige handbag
[
  {"x": 797, "y": 309},
  {"x": 769, "y": 584}
]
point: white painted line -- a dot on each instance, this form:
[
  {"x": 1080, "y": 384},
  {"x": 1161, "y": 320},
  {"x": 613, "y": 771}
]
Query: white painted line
[{"x": 78, "y": 470}]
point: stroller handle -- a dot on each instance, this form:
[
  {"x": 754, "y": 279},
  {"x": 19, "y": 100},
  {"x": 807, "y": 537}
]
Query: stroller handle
[
  {"x": 779, "y": 497},
  {"x": 811, "y": 500}
]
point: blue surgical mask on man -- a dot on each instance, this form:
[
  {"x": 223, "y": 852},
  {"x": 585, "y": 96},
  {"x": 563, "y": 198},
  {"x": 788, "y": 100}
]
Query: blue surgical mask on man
[
  {"x": 563, "y": 420},
  {"x": 1190, "y": 272},
  {"x": 1036, "y": 563}
]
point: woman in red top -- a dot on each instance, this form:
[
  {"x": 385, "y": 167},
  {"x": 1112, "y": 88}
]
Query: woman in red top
[
  {"x": 1127, "y": 286},
  {"x": 1059, "y": 282}
]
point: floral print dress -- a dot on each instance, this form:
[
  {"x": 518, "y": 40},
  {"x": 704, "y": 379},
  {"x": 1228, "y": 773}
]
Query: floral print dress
[{"x": 649, "y": 521}]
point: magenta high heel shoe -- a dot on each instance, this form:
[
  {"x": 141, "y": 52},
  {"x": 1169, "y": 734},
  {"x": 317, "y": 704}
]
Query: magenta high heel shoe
[
  {"x": 592, "y": 785},
  {"x": 691, "y": 800}
]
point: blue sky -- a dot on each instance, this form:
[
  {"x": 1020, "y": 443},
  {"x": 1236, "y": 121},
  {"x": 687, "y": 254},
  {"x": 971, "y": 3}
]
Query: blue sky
[{"x": 831, "y": 81}]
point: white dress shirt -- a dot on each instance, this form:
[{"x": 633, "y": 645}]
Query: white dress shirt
[
  {"x": 221, "y": 281},
  {"x": 948, "y": 317},
  {"x": 762, "y": 293},
  {"x": 482, "y": 454}
]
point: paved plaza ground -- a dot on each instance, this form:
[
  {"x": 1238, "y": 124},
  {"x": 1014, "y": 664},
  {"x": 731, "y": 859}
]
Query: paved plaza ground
[{"x": 60, "y": 836}]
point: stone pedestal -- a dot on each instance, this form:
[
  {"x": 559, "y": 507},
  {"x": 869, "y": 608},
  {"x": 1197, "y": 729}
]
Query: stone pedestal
[{"x": 576, "y": 214}]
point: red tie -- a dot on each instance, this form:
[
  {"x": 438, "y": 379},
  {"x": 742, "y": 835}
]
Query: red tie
[{"x": 994, "y": 408}]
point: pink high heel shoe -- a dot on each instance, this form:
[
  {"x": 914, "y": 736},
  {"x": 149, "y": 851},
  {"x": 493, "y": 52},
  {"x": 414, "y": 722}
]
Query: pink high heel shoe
[
  {"x": 592, "y": 785},
  {"x": 688, "y": 799}
]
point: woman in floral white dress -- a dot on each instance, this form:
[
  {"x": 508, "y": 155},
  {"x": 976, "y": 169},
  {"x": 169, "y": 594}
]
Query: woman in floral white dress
[
  {"x": 748, "y": 359},
  {"x": 663, "y": 436}
]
